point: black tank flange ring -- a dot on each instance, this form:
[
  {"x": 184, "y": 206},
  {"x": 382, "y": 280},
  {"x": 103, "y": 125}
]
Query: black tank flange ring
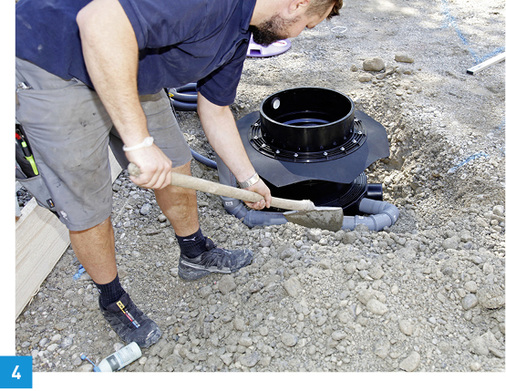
[
  {"x": 307, "y": 119},
  {"x": 350, "y": 142}
]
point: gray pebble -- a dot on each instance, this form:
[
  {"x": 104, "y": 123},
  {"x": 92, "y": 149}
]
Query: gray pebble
[
  {"x": 292, "y": 286},
  {"x": 469, "y": 301},
  {"x": 256, "y": 286},
  {"x": 151, "y": 364},
  {"x": 287, "y": 252},
  {"x": 173, "y": 361},
  {"x": 479, "y": 346},
  {"x": 498, "y": 210},
  {"x": 205, "y": 291},
  {"x": 52, "y": 347},
  {"x": 226, "y": 358},
  {"x": 488, "y": 268},
  {"x": 490, "y": 296},
  {"x": 77, "y": 361},
  {"x": 43, "y": 342},
  {"x": 350, "y": 267},
  {"x": 56, "y": 337},
  {"x": 265, "y": 242},
  {"x": 376, "y": 272},
  {"x": 314, "y": 234},
  {"x": 289, "y": 339},
  {"x": 227, "y": 284},
  {"x": 143, "y": 360},
  {"x": 475, "y": 366},
  {"x": 471, "y": 286},
  {"x": 239, "y": 324},
  {"x": 162, "y": 218},
  {"x": 364, "y": 77},
  {"x": 349, "y": 237},
  {"x": 338, "y": 335},
  {"x": 245, "y": 341},
  {"x": 402, "y": 57},
  {"x": 249, "y": 360},
  {"x": 375, "y": 64},
  {"x": 406, "y": 327},
  {"x": 451, "y": 243},
  {"x": 410, "y": 363},
  {"x": 382, "y": 348},
  {"x": 145, "y": 209},
  {"x": 376, "y": 307}
]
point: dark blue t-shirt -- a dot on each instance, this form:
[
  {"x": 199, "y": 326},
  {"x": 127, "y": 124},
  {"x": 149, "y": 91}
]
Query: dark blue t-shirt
[{"x": 180, "y": 41}]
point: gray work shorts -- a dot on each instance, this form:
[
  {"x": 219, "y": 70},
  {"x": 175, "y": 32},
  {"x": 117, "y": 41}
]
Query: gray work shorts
[{"x": 69, "y": 132}]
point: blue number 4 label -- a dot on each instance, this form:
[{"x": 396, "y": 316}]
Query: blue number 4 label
[{"x": 16, "y": 372}]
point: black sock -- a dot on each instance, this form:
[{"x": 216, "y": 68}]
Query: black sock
[
  {"x": 193, "y": 245},
  {"x": 111, "y": 292}
]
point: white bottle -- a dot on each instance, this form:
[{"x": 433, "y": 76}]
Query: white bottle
[{"x": 120, "y": 359}]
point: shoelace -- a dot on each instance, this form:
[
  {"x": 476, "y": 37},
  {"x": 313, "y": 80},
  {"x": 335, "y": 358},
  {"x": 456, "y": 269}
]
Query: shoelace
[{"x": 218, "y": 257}]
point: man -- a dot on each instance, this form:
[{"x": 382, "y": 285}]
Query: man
[{"x": 92, "y": 73}]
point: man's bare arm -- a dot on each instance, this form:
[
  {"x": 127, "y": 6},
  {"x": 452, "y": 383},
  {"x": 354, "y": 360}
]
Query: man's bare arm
[
  {"x": 111, "y": 56},
  {"x": 221, "y": 131}
]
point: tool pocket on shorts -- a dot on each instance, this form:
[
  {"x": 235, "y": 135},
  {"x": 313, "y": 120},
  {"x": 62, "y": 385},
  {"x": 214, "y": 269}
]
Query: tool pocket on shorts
[{"x": 37, "y": 188}]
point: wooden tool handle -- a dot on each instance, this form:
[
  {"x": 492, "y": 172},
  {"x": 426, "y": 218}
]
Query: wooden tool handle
[{"x": 203, "y": 185}]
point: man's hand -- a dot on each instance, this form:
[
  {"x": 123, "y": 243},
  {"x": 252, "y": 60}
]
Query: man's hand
[
  {"x": 154, "y": 166},
  {"x": 261, "y": 188}
]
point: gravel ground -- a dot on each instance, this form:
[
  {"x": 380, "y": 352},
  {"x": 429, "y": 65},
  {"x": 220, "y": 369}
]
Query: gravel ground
[{"x": 426, "y": 294}]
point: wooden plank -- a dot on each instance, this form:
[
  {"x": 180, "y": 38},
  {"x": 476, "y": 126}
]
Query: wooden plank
[{"x": 41, "y": 240}]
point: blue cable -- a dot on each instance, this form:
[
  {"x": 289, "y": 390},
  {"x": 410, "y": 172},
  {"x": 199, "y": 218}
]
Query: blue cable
[
  {"x": 95, "y": 367},
  {"x": 470, "y": 158}
]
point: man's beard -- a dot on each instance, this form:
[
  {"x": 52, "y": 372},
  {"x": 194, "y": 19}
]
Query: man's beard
[{"x": 271, "y": 30}]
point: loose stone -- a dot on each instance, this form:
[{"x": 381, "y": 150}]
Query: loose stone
[
  {"x": 406, "y": 327},
  {"x": 249, "y": 360},
  {"x": 490, "y": 296},
  {"x": 227, "y": 284},
  {"x": 475, "y": 366},
  {"x": 145, "y": 209},
  {"x": 376, "y": 307},
  {"x": 479, "y": 346},
  {"x": 338, "y": 335},
  {"x": 364, "y": 78},
  {"x": 404, "y": 58},
  {"x": 289, "y": 339},
  {"x": 375, "y": 64},
  {"x": 410, "y": 363},
  {"x": 469, "y": 301},
  {"x": 292, "y": 286}
]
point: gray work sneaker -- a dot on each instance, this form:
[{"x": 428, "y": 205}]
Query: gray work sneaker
[
  {"x": 130, "y": 323},
  {"x": 214, "y": 260}
]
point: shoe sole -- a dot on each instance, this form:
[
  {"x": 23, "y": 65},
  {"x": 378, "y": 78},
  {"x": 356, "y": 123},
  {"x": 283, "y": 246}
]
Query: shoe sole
[{"x": 195, "y": 274}]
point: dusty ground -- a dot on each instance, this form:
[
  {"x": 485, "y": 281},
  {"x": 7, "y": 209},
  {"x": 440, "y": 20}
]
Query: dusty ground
[{"x": 426, "y": 294}]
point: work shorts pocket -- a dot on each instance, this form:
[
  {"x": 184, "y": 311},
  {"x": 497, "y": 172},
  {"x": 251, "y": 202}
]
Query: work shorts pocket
[{"x": 37, "y": 188}]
